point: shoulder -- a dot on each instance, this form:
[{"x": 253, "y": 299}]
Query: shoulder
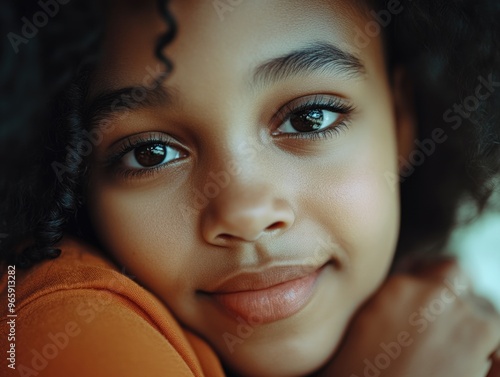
[{"x": 78, "y": 312}]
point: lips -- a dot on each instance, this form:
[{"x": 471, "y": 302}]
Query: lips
[{"x": 272, "y": 295}]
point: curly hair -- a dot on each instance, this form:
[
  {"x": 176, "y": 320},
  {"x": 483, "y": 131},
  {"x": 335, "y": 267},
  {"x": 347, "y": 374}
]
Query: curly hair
[
  {"x": 38, "y": 207},
  {"x": 445, "y": 46},
  {"x": 449, "y": 48}
]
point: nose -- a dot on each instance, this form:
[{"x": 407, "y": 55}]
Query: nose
[{"x": 245, "y": 214}]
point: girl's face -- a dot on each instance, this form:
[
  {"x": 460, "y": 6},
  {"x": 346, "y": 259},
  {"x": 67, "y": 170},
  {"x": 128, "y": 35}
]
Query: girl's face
[{"x": 249, "y": 190}]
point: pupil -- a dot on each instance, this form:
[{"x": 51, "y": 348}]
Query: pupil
[
  {"x": 150, "y": 155},
  {"x": 307, "y": 121}
]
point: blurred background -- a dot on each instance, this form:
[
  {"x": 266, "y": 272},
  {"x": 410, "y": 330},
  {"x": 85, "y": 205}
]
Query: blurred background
[{"x": 477, "y": 246}]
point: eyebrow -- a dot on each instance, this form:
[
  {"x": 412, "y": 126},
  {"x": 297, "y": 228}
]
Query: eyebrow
[
  {"x": 319, "y": 57},
  {"x": 111, "y": 103}
]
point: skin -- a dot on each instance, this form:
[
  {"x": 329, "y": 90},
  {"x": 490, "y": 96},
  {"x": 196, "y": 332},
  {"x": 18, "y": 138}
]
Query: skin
[
  {"x": 426, "y": 321},
  {"x": 301, "y": 202}
]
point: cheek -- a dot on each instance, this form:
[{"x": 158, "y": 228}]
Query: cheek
[
  {"x": 360, "y": 207},
  {"x": 147, "y": 236},
  {"x": 370, "y": 222}
]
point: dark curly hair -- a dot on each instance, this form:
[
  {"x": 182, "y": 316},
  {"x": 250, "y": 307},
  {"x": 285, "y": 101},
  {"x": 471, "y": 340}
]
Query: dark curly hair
[
  {"x": 446, "y": 47},
  {"x": 44, "y": 85}
]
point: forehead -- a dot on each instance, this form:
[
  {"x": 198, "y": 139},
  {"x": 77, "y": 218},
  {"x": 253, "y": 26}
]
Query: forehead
[{"x": 220, "y": 39}]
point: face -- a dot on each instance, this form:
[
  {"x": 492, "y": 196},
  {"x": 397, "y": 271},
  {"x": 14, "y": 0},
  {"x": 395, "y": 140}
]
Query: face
[{"x": 249, "y": 190}]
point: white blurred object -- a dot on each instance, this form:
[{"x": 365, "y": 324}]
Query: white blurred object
[{"x": 478, "y": 249}]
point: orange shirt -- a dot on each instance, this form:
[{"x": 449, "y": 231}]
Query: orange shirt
[{"x": 78, "y": 315}]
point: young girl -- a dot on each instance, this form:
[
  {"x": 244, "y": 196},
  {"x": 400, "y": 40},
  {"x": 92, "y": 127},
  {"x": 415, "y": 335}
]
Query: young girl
[{"x": 227, "y": 177}]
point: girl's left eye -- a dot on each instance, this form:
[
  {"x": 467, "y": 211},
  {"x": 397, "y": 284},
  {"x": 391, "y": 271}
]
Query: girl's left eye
[
  {"x": 313, "y": 120},
  {"x": 314, "y": 117},
  {"x": 150, "y": 155}
]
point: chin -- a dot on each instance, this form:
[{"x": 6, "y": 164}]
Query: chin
[
  {"x": 296, "y": 346},
  {"x": 286, "y": 353}
]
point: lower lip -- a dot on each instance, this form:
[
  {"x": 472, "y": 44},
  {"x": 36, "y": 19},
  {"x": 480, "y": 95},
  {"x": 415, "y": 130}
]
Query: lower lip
[{"x": 271, "y": 304}]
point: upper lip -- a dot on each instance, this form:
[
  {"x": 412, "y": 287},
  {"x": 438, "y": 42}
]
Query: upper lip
[{"x": 259, "y": 280}]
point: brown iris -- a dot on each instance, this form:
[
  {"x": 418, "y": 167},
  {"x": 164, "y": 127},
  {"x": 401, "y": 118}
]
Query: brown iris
[
  {"x": 307, "y": 121},
  {"x": 150, "y": 155}
]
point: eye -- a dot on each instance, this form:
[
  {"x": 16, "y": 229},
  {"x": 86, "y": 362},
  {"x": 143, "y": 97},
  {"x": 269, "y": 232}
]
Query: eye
[
  {"x": 150, "y": 155},
  {"x": 310, "y": 120},
  {"x": 143, "y": 155},
  {"x": 313, "y": 117}
]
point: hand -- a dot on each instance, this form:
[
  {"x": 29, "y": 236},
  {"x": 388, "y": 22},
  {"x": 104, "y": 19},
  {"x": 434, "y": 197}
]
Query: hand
[{"x": 426, "y": 323}]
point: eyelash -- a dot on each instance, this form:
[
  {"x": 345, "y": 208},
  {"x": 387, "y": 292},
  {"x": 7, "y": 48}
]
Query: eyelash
[
  {"x": 318, "y": 102},
  {"x": 128, "y": 146}
]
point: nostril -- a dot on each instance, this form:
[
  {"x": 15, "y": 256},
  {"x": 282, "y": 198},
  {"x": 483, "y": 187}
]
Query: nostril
[
  {"x": 276, "y": 225},
  {"x": 225, "y": 237},
  {"x": 248, "y": 234}
]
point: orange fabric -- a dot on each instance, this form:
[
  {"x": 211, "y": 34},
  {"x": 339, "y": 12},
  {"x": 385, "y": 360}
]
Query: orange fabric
[{"x": 79, "y": 316}]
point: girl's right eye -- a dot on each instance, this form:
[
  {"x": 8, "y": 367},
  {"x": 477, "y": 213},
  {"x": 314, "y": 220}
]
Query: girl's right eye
[
  {"x": 143, "y": 154},
  {"x": 150, "y": 155}
]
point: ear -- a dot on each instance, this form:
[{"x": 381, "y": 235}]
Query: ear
[{"x": 404, "y": 106}]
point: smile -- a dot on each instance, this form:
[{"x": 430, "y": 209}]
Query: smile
[{"x": 270, "y": 296}]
